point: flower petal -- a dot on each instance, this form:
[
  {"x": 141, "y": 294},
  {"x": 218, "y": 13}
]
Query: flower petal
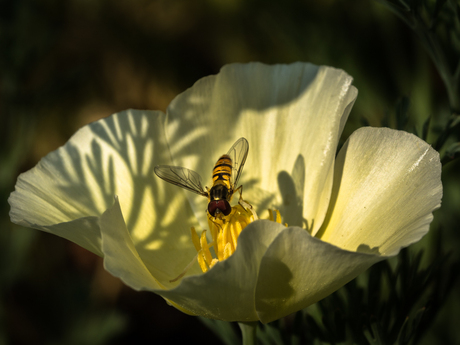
[
  {"x": 387, "y": 183},
  {"x": 83, "y": 231},
  {"x": 298, "y": 270},
  {"x": 112, "y": 156},
  {"x": 292, "y": 116},
  {"x": 226, "y": 292},
  {"x": 121, "y": 258}
]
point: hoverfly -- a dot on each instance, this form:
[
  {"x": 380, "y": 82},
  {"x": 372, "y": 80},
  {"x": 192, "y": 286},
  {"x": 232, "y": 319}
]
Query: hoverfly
[{"x": 225, "y": 176}]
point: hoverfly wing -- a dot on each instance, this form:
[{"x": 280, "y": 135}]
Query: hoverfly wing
[
  {"x": 181, "y": 177},
  {"x": 238, "y": 153}
]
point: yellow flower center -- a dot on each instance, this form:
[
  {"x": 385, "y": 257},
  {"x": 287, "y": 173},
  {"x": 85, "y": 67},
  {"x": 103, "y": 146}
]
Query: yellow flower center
[{"x": 224, "y": 232}]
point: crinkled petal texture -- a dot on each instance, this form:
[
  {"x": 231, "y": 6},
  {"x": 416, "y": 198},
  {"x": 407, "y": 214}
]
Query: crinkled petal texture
[
  {"x": 70, "y": 188},
  {"x": 377, "y": 197}
]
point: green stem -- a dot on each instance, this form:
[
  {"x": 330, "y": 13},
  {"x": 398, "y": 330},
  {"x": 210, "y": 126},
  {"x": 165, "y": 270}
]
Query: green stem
[{"x": 249, "y": 330}]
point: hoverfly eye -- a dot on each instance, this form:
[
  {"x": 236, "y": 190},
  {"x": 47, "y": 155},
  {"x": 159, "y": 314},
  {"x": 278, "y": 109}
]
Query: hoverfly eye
[
  {"x": 221, "y": 206},
  {"x": 225, "y": 207},
  {"x": 212, "y": 208}
]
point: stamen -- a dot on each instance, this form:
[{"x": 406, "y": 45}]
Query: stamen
[
  {"x": 214, "y": 261},
  {"x": 202, "y": 262},
  {"x": 196, "y": 239},
  {"x": 270, "y": 215},
  {"x": 227, "y": 251},
  {"x": 188, "y": 267},
  {"x": 219, "y": 247},
  {"x": 205, "y": 249},
  {"x": 199, "y": 256},
  {"x": 235, "y": 232},
  {"x": 225, "y": 236},
  {"x": 225, "y": 232},
  {"x": 214, "y": 232}
]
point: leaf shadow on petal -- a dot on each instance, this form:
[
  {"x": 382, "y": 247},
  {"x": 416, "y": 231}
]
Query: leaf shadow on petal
[
  {"x": 112, "y": 157},
  {"x": 291, "y": 188},
  {"x": 277, "y": 288},
  {"x": 125, "y": 135},
  {"x": 72, "y": 182},
  {"x": 219, "y": 109},
  {"x": 364, "y": 248},
  {"x": 338, "y": 173},
  {"x": 138, "y": 145},
  {"x": 261, "y": 199}
]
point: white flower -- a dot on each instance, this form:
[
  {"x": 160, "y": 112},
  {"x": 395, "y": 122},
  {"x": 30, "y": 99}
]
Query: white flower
[{"x": 344, "y": 214}]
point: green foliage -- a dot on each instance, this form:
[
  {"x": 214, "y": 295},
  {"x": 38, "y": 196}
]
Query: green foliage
[
  {"x": 224, "y": 330},
  {"x": 450, "y": 131},
  {"x": 452, "y": 153},
  {"x": 447, "y": 136},
  {"x": 437, "y": 25}
]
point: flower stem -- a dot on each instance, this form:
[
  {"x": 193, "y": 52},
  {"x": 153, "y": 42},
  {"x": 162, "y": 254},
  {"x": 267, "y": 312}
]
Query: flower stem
[{"x": 249, "y": 330}]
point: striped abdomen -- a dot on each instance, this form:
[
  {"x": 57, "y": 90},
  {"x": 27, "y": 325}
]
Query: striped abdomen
[{"x": 222, "y": 172}]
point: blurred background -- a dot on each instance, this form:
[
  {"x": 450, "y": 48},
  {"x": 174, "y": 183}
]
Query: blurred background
[{"x": 65, "y": 63}]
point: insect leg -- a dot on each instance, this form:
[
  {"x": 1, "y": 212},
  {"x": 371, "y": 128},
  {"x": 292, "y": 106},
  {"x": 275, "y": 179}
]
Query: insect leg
[
  {"x": 241, "y": 201},
  {"x": 240, "y": 190}
]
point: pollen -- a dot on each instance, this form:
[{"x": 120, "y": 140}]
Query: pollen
[{"x": 224, "y": 234}]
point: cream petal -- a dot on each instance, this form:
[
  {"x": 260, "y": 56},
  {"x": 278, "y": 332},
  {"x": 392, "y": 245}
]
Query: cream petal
[
  {"x": 112, "y": 156},
  {"x": 83, "y": 231},
  {"x": 298, "y": 270},
  {"x": 121, "y": 258},
  {"x": 292, "y": 116},
  {"x": 226, "y": 292},
  {"x": 387, "y": 183}
]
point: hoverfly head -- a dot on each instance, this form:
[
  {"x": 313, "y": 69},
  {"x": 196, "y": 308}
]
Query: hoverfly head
[{"x": 218, "y": 207}]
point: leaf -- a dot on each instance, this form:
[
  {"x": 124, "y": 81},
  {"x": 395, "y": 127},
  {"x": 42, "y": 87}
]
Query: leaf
[
  {"x": 426, "y": 128},
  {"x": 402, "y": 112},
  {"x": 222, "y": 329},
  {"x": 452, "y": 153},
  {"x": 399, "y": 5}
]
